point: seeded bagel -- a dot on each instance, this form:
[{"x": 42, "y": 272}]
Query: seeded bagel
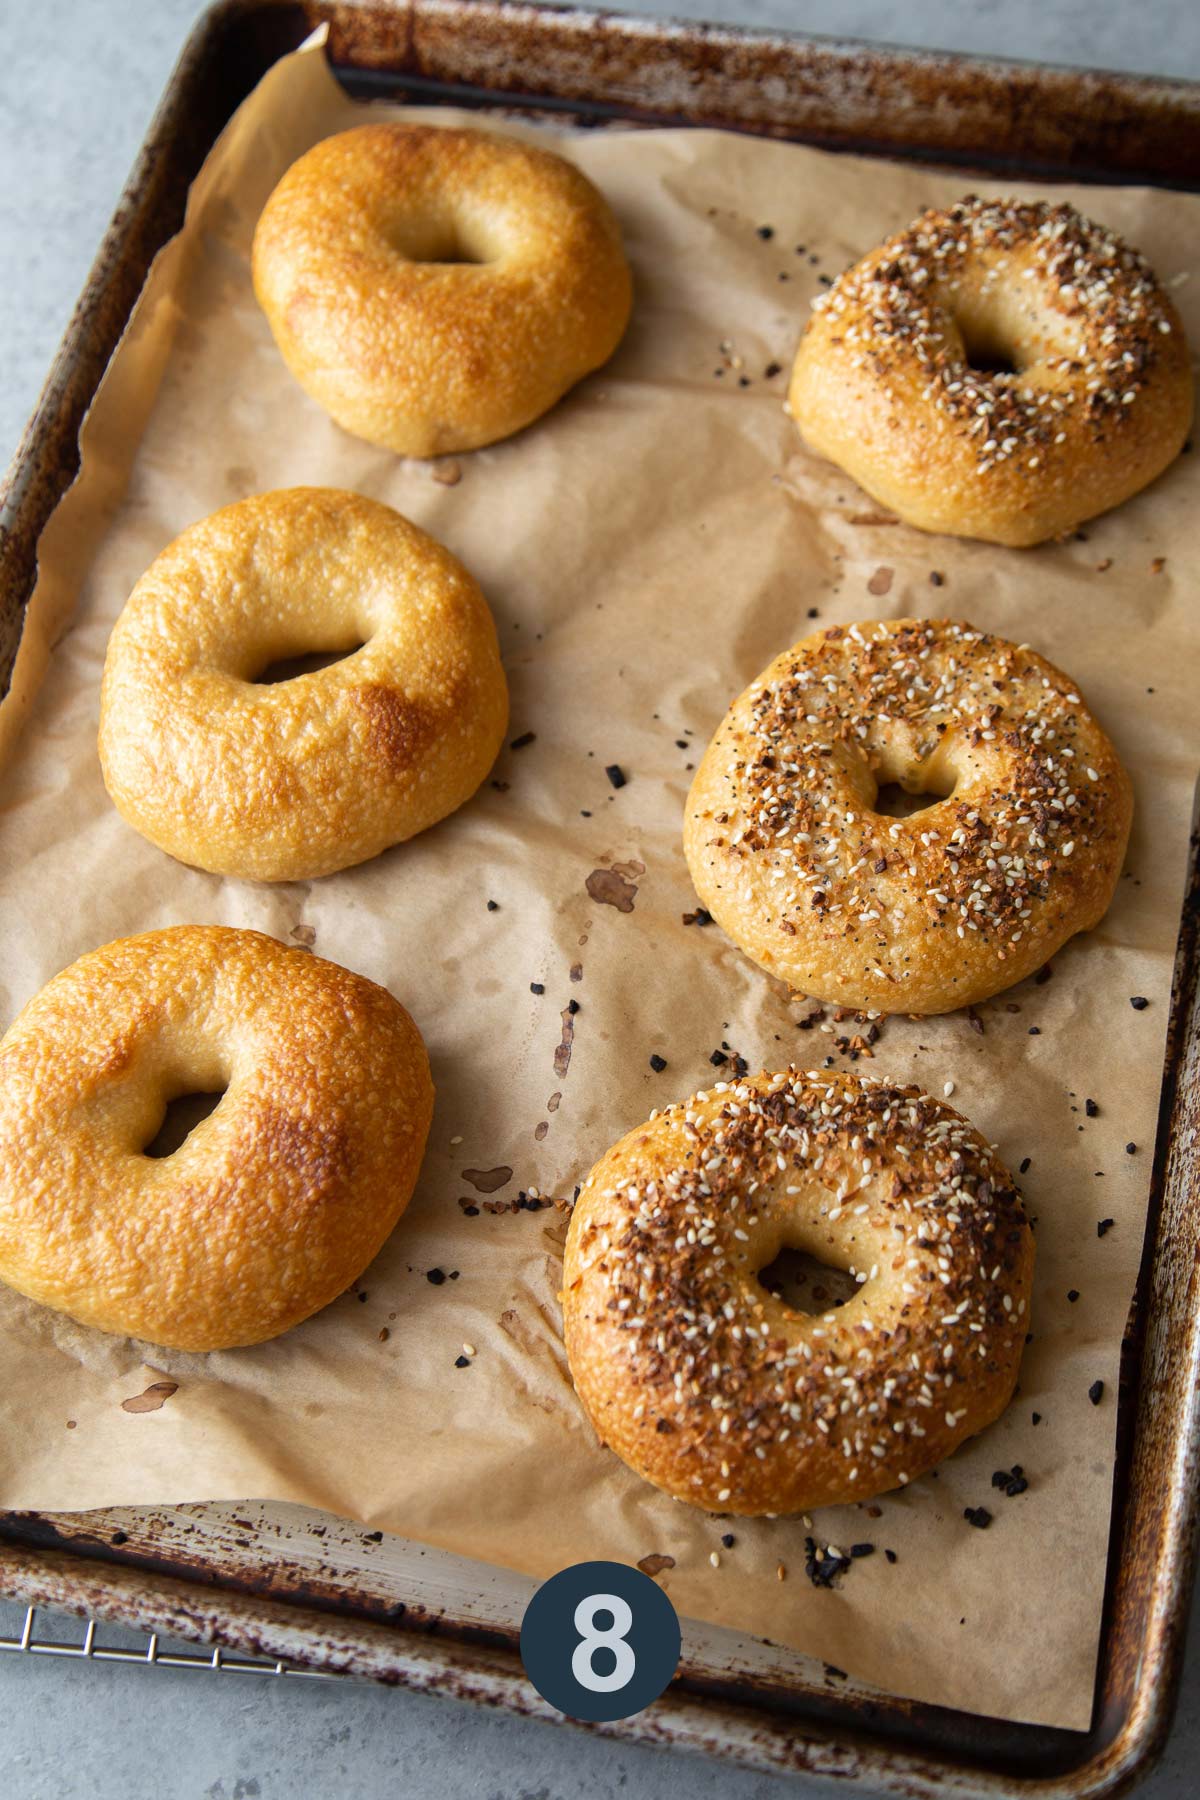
[
  {"x": 1021, "y": 849},
  {"x": 715, "y": 1389},
  {"x": 1002, "y": 369}
]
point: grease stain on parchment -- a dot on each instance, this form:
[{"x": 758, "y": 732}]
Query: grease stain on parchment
[
  {"x": 655, "y": 1564},
  {"x": 616, "y": 885},
  {"x": 562, "y": 1055},
  {"x": 486, "y": 1181},
  {"x": 151, "y": 1399}
]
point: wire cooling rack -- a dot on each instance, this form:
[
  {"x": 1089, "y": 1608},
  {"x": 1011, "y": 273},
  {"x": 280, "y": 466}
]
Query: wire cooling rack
[{"x": 36, "y": 1631}]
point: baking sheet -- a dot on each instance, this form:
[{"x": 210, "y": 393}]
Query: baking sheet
[{"x": 646, "y": 549}]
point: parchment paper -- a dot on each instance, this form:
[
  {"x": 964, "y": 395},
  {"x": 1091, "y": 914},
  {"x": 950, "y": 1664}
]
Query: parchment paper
[{"x": 646, "y": 548}]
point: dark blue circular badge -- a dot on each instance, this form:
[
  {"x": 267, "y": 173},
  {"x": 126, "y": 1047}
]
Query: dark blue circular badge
[{"x": 600, "y": 1641}]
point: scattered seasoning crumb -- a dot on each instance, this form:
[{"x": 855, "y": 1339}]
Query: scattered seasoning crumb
[
  {"x": 658, "y": 1063},
  {"x": 728, "y": 1539},
  {"x": 1036, "y": 1417},
  {"x": 766, "y": 233},
  {"x": 701, "y": 916},
  {"x": 1011, "y": 1481},
  {"x": 1096, "y": 1392},
  {"x": 1035, "y": 1031},
  {"x": 435, "y": 1277},
  {"x": 572, "y": 1006},
  {"x": 462, "y": 1362},
  {"x": 948, "y": 1088},
  {"x": 1091, "y": 1109},
  {"x": 974, "y": 1021},
  {"x": 813, "y": 613},
  {"x": 526, "y": 737},
  {"x": 1072, "y": 1295},
  {"x": 978, "y": 1516},
  {"x": 936, "y": 578},
  {"x": 1103, "y": 1226},
  {"x": 1158, "y": 565},
  {"x": 1025, "y": 1165},
  {"x": 449, "y": 474},
  {"x": 1131, "y": 1149},
  {"x": 616, "y": 775},
  {"x": 860, "y": 1550},
  {"x": 384, "y": 1334},
  {"x": 781, "y": 1571},
  {"x": 537, "y": 987},
  {"x": 718, "y": 1058},
  {"x": 1138, "y": 1002},
  {"x": 468, "y": 1349},
  {"x": 891, "y": 1556},
  {"x": 493, "y": 906},
  {"x": 714, "y": 1557},
  {"x": 772, "y": 369},
  {"x": 823, "y": 1567}
]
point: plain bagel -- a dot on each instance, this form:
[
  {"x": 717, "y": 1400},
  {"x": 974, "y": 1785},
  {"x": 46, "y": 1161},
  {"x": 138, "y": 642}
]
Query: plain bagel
[
  {"x": 711, "y": 1386},
  {"x": 282, "y": 781},
  {"x": 273, "y": 1204},
  {"x": 436, "y": 288},
  {"x": 1002, "y": 369},
  {"x": 1021, "y": 849}
]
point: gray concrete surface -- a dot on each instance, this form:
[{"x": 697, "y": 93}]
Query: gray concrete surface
[{"x": 78, "y": 82}]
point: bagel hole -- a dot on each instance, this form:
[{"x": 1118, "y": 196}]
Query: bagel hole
[
  {"x": 290, "y": 668},
  {"x": 180, "y": 1118},
  {"x": 988, "y": 352},
  {"x": 437, "y": 245},
  {"x": 896, "y": 802},
  {"x": 806, "y": 1284}
]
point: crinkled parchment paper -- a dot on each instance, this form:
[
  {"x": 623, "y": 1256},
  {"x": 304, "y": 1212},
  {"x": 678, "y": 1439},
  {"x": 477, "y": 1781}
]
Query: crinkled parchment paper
[{"x": 646, "y": 549}]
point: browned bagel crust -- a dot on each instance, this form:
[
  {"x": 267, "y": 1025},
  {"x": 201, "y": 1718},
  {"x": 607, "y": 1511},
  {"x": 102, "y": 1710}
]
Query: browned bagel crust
[
  {"x": 926, "y": 913},
  {"x": 273, "y": 1204},
  {"x": 1099, "y": 401},
  {"x": 286, "y": 781},
  {"x": 715, "y": 1390},
  {"x": 436, "y": 288}
]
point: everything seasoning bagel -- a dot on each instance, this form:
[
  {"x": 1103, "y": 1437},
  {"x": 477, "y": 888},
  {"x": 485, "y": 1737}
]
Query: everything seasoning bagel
[
  {"x": 1002, "y": 369},
  {"x": 1021, "y": 849},
  {"x": 711, "y": 1386}
]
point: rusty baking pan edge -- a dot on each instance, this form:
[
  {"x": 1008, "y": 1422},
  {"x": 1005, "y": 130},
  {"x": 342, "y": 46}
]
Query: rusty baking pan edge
[{"x": 824, "y": 92}]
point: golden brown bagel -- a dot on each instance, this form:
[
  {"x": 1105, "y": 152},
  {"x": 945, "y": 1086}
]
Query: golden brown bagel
[
  {"x": 713, "y": 1388},
  {"x": 896, "y": 377},
  {"x": 925, "y": 913},
  {"x": 273, "y": 1204},
  {"x": 284, "y": 781},
  {"x": 436, "y": 288}
]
